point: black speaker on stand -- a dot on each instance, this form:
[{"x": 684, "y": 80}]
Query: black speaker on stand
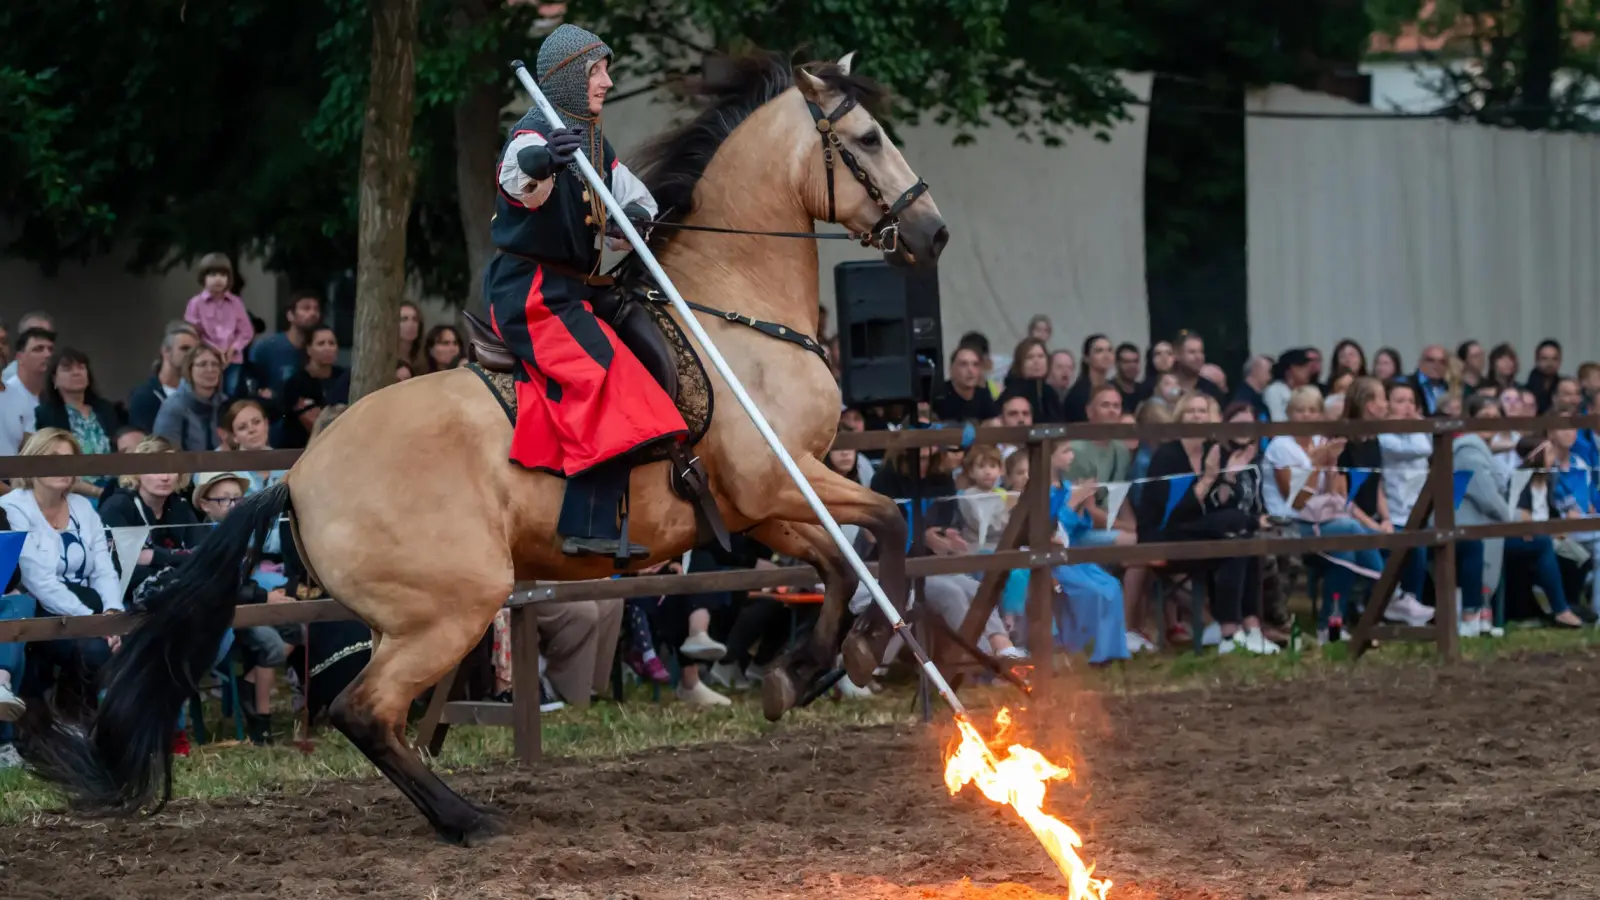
[{"x": 890, "y": 344}]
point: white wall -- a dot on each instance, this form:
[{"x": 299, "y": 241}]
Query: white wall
[{"x": 1409, "y": 231}]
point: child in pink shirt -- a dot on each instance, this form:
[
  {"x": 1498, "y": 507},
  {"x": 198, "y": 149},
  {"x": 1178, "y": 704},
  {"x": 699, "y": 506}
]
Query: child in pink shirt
[{"x": 217, "y": 313}]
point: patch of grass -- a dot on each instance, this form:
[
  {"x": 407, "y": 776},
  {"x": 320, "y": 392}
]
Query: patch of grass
[
  {"x": 609, "y": 730},
  {"x": 605, "y": 730}
]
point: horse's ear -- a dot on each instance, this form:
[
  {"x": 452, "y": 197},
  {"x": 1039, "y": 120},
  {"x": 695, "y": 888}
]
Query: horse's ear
[
  {"x": 811, "y": 87},
  {"x": 846, "y": 60}
]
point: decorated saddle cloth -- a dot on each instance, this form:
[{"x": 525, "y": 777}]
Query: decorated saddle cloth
[{"x": 657, "y": 339}]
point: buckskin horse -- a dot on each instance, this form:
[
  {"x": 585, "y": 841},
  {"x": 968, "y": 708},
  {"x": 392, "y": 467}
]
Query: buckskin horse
[{"x": 406, "y": 509}]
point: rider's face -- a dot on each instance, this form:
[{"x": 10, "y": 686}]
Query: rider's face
[{"x": 599, "y": 85}]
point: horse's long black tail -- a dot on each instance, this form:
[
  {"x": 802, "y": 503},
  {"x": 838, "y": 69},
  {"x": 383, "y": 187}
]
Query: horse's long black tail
[{"x": 124, "y": 756}]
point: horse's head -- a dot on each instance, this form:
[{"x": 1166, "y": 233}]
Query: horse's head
[{"x": 857, "y": 177}]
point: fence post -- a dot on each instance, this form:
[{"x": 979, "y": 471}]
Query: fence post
[
  {"x": 525, "y": 683},
  {"x": 1041, "y": 641},
  {"x": 1443, "y": 465}
]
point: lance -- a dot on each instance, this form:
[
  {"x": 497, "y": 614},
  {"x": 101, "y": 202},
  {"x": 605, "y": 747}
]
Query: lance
[{"x": 709, "y": 350}]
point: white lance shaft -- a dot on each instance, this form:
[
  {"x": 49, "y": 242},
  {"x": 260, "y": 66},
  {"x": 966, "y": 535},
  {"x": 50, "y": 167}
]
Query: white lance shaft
[{"x": 721, "y": 365}]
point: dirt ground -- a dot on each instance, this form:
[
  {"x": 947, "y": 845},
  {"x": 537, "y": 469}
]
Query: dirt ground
[{"x": 1474, "y": 781}]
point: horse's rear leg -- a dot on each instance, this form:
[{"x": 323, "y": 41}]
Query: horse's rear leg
[
  {"x": 851, "y": 504},
  {"x": 372, "y": 710}
]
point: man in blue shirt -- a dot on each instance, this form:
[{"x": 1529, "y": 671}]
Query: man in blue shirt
[
  {"x": 1430, "y": 378},
  {"x": 277, "y": 357}
]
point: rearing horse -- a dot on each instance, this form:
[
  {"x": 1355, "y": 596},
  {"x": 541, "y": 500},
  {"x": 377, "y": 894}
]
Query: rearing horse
[{"x": 406, "y": 510}]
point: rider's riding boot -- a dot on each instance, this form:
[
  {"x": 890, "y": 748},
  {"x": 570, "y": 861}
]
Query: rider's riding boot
[{"x": 594, "y": 503}]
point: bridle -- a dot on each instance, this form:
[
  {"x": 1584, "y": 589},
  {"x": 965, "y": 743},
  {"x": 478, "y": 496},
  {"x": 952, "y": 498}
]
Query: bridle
[{"x": 884, "y": 234}]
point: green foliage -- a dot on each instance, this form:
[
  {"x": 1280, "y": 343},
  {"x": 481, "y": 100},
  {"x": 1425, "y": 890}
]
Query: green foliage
[
  {"x": 1525, "y": 63},
  {"x": 182, "y": 127}
]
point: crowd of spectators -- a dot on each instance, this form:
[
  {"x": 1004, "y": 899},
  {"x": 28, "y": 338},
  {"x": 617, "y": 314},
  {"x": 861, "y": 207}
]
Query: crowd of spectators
[
  {"x": 1296, "y": 486},
  {"x": 219, "y": 380}
]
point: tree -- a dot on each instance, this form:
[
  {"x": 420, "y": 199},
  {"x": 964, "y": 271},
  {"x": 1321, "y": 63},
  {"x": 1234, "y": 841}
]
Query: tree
[
  {"x": 1511, "y": 63},
  {"x": 388, "y": 178}
]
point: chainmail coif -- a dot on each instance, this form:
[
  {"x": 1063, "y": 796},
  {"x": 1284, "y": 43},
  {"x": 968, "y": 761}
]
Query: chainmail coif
[{"x": 562, "y": 70}]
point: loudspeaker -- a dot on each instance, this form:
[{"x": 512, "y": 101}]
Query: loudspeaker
[{"x": 890, "y": 347}]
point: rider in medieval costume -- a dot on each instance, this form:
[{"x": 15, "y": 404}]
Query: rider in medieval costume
[{"x": 584, "y": 401}]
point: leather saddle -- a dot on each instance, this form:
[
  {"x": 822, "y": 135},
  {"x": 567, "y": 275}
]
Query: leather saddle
[
  {"x": 634, "y": 326},
  {"x": 640, "y": 330}
]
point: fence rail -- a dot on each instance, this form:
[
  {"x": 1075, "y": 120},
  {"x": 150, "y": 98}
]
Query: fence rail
[
  {"x": 947, "y": 436},
  {"x": 1024, "y": 544},
  {"x": 537, "y": 593}
]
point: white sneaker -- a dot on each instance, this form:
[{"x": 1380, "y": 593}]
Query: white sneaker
[
  {"x": 1138, "y": 643},
  {"x": 1470, "y": 627},
  {"x": 700, "y": 695},
  {"x": 1256, "y": 642},
  {"x": 1211, "y": 636},
  {"x": 1487, "y": 627},
  {"x": 9, "y": 757},
  {"x": 1413, "y": 610},
  {"x": 1232, "y": 642},
  {"x": 1012, "y": 652},
  {"x": 849, "y": 690},
  {"x": 727, "y": 675},
  {"x": 11, "y": 706},
  {"x": 700, "y": 646}
]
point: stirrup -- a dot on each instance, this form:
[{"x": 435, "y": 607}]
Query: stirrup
[{"x": 624, "y": 553}]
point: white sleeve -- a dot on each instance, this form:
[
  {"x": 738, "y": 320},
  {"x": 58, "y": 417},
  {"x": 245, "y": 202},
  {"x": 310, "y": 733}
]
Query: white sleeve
[
  {"x": 1405, "y": 447},
  {"x": 39, "y": 580},
  {"x": 102, "y": 572},
  {"x": 629, "y": 189},
  {"x": 516, "y": 184},
  {"x": 1276, "y": 398},
  {"x": 1281, "y": 453}
]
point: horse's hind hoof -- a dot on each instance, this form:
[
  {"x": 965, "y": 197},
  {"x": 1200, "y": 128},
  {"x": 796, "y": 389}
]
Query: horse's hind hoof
[
  {"x": 778, "y": 694},
  {"x": 480, "y": 832}
]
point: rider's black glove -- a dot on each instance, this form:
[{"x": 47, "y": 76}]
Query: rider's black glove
[
  {"x": 638, "y": 215},
  {"x": 541, "y": 162}
]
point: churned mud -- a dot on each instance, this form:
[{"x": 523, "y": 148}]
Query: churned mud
[{"x": 1470, "y": 781}]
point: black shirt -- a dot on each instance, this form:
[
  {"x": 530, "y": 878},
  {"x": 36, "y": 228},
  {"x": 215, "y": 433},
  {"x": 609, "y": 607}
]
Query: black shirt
[
  {"x": 1209, "y": 387},
  {"x": 304, "y": 386},
  {"x": 1046, "y": 404},
  {"x": 1229, "y": 509},
  {"x": 937, "y": 491},
  {"x": 1364, "y": 455},
  {"x": 949, "y": 406},
  {"x": 173, "y": 536}
]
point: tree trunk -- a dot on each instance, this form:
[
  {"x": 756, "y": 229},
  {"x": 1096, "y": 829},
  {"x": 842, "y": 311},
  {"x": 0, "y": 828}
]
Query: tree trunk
[
  {"x": 478, "y": 140},
  {"x": 1541, "y": 42},
  {"x": 388, "y": 181}
]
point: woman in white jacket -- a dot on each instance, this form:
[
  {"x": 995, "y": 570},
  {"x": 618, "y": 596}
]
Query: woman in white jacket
[{"x": 66, "y": 564}]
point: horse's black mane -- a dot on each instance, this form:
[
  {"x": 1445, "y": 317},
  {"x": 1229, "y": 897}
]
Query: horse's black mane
[{"x": 672, "y": 163}]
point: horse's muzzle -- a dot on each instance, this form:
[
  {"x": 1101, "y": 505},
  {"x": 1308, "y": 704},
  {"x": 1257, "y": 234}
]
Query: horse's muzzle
[{"x": 920, "y": 240}]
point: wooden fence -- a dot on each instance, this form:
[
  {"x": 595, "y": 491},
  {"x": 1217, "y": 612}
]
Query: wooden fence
[{"x": 1024, "y": 544}]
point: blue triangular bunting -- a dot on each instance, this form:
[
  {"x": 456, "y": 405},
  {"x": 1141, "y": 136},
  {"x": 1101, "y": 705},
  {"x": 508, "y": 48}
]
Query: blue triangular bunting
[
  {"x": 1358, "y": 477},
  {"x": 1462, "y": 479},
  {"x": 10, "y": 552},
  {"x": 1176, "y": 488}
]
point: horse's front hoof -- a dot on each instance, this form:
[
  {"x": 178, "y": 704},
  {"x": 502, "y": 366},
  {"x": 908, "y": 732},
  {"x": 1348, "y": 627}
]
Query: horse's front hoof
[
  {"x": 860, "y": 656},
  {"x": 778, "y": 693}
]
